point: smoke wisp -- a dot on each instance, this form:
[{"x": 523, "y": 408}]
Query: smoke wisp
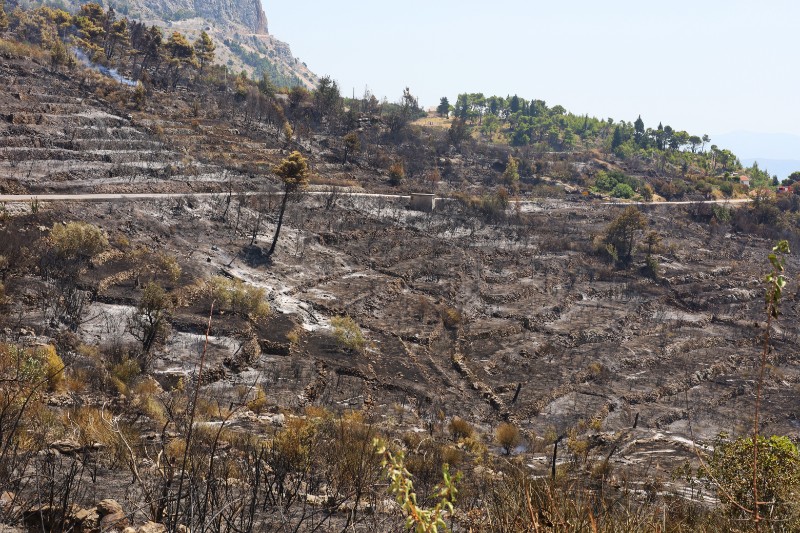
[{"x": 110, "y": 72}]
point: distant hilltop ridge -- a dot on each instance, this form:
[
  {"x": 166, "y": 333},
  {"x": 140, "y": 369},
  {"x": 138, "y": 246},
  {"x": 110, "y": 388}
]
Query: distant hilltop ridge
[{"x": 240, "y": 29}]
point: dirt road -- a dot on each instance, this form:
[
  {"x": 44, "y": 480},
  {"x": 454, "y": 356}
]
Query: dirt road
[{"x": 128, "y": 197}]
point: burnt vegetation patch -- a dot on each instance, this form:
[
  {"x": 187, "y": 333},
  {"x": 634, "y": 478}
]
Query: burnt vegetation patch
[{"x": 224, "y": 359}]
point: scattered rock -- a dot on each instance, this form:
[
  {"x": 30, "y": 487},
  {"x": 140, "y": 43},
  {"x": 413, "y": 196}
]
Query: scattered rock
[
  {"x": 109, "y": 506},
  {"x": 152, "y": 527},
  {"x": 6, "y": 501},
  {"x": 61, "y": 400},
  {"x": 66, "y": 447},
  {"x": 88, "y": 519},
  {"x": 276, "y": 348},
  {"x": 113, "y": 522},
  {"x": 113, "y": 516},
  {"x": 486, "y": 473}
]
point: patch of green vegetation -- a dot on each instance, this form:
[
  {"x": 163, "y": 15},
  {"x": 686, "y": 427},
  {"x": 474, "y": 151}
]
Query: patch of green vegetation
[
  {"x": 182, "y": 14},
  {"x": 617, "y": 184},
  {"x": 262, "y": 66}
]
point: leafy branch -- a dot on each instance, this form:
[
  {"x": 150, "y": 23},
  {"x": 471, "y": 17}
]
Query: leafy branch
[
  {"x": 776, "y": 282},
  {"x": 420, "y": 519}
]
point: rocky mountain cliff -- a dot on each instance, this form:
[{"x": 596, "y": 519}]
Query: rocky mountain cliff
[
  {"x": 239, "y": 28},
  {"x": 247, "y": 13}
]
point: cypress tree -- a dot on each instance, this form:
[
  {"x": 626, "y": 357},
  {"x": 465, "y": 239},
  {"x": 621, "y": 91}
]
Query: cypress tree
[{"x": 638, "y": 129}]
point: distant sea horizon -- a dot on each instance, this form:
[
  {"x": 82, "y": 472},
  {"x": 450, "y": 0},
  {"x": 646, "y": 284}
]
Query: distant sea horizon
[
  {"x": 777, "y": 153},
  {"x": 776, "y": 167}
]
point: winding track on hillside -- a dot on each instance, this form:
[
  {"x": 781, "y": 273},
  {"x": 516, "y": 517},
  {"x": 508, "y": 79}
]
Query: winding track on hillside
[{"x": 130, "y": 197}]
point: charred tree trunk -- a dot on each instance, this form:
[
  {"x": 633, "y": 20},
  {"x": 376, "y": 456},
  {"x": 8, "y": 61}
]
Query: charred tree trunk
[
  {"x": 555, "y": 457},
  {"x": 280, "y": 223}
]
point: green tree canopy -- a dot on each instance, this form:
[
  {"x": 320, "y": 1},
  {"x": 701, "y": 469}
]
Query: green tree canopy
[
  {"x": 90, "y": 22},
  {"x": 352, "y": 144},
  {"x": 204, "y": 49},
  {"x": 695, "y": 141},
  {"x": 511, "y": 174},
  {"x": 327, "y": 97},
  {"x": 180, "y": 54},
  {"x": 266, "y": 86},
  {"x": 178, "y": 48},
  {"x": 118, "y": 38},
  {"x": 730, "y": 471},
  {"x": 622, "y": 190},
  {"x": 444, "y": 107},
  {"x": 638, "y": 129},
  {"x": 620, "y": 235},
  {"x": 293, "y": 172},
  {"x": 150, "y": 323}
]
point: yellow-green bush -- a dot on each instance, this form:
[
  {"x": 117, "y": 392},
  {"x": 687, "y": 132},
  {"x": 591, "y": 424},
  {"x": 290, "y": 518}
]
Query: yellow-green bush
[
  {"x": 295, "y": 335},
  {"x": 53, "y": 366},
  {"x": 460, "y": 428},
  {"x": 451, "y": 317},
  {"x": 507, "y": 436},
  {"x": 33, "y": 365},
  {"x": 347, "y": 333},
  {"x": 258, "y": 403},
  {"x": 170, "y": 266},
  {"x": 175, "y": 449},
  {"x": 145, "y": 397},
  {"x": 91, "y": 426},
  {"x": 290, "y": 450},
  {"x": 78, "y": 240},
  {"x": 239, "y": 298},
  {"x": 124, "y": 373}
]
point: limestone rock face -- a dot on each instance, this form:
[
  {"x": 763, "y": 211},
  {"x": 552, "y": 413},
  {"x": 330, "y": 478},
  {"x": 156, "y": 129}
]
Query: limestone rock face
[
  {"x": 239, "y": 28},
  {"x": 247, "y": 13},
  {"x": 262, "y": 25}
]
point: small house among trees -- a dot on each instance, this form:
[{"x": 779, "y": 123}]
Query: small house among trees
[{"x": 744, "y": 180}]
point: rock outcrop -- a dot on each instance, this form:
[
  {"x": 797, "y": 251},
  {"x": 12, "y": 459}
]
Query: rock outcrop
[
  {"x": 247, "y": 13},
  {"x": 239, "y": 28}
]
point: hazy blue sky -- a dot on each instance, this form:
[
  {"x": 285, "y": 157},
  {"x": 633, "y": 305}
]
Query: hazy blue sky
[{"x": 706, "y": 66}]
